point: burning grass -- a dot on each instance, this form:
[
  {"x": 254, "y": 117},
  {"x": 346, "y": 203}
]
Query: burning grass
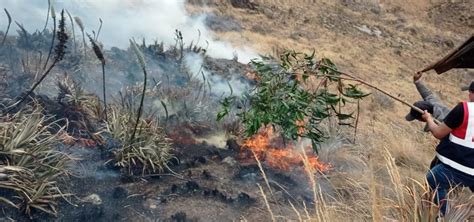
[
  {"x": 30, "y": 167},
  {"x": 267, "y": 146},
  {"x": 30, "y": 170},
  {"x": 400, "y": 199}
]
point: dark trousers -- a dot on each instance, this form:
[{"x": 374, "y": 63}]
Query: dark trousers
[
  {"x": 436, "y": 161},
  {"x": 441, "y": 178}
]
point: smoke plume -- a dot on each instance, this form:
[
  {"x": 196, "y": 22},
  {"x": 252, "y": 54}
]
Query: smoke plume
[{"x": 124, "y": 19}]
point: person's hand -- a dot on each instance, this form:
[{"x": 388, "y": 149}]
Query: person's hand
[
  {"x": 427, "y": 116},
  {"x": 417, "y": 76}
]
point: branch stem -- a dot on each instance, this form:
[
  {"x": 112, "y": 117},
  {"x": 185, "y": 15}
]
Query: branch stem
[{"x": 357, "y": 79}]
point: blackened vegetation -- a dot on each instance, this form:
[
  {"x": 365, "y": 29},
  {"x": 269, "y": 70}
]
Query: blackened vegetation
[
  {"x": 60, "y": 50},
  {"x": 97, "y": 50},
  {"x": 53, "y": 16},
  {"x": 74, "y": 106},
  {"x": 141, "y": 61},
  {"x": 192, "y": 188}
]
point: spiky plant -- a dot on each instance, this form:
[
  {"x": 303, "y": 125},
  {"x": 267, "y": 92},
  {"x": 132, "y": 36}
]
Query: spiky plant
[
  {"x": 53, "y": 16},
  {"x": 77, "y": 107},
  {"x": 150, "y": 151},
  {"x": 8, "y": 27},
  {"x": 141, "y": 60},
  {"x": 60, "y": 51},
  {"x": 81, "y": 26},
  {"x": 100, "y": 56},
  {"x": 30, "y": 167}
]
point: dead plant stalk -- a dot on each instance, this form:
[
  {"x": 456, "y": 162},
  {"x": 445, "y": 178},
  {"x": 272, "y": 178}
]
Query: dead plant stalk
[
  {"x": 53, "y": 16},
  {"x": 141, "y": 60},
  {"x": 8, "y": 27},
  {"x": 60, "y": 52}
]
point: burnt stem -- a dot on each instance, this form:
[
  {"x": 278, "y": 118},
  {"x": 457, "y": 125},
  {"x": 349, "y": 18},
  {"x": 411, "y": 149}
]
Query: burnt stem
[
  {"x": 140, "y": 107},
  {"x": 52, "y": 43},
  {"x": 8, "y": 27},
  {"x": 47, "y": 15},
  {"x": 59, "y": 52},
  {"x": 103, "y": 89},
  {"x": 34, "y": 86},
  {"x": 84, "y": 41},
  {"x": 73, "y": 31}
]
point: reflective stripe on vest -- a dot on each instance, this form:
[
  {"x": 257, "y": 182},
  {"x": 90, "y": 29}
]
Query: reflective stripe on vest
[
  {"x": 464, "y": 134},
  {"x": 457, "y": 166},
  {"x": 461, "y": 140}
]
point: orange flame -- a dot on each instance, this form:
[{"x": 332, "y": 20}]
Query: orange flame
[{"x": 279, "y": 156}]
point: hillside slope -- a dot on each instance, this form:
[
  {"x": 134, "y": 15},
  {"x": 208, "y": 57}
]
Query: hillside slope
[{"x": 383, "y": 43}]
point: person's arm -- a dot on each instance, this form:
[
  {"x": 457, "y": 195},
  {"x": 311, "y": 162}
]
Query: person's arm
[
  {"x": 425, "y": 93},
  {"x": 438, "y": 131}
]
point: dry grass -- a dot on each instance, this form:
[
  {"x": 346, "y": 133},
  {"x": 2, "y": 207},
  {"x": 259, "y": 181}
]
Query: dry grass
[
  {"x": 374, "y": 199},
  {"x": 410, "y": 40},
  {"x": 80, "y": 109},
  {"x": 30, "y": 167},
  {"x": 150, "y": 151}
]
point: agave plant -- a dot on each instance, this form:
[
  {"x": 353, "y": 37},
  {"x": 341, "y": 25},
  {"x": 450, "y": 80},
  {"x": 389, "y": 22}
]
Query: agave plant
[{"x": 30, "y": 167}]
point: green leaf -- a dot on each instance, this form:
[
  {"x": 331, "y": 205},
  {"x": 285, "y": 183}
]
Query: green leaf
[
  {"x": 353, "y": 92},
  {"x": 279, "y": 99}
]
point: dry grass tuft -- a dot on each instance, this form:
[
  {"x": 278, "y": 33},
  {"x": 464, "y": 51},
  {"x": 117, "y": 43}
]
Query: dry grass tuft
[
  {"x": 30, "y": 167},
  {"x": 80, "y": 109},
  {"x": 371, "y": 198},
  {"x": 150, "y": 149}
]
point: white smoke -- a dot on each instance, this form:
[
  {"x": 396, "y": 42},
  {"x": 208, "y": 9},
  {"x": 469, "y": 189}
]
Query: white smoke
[
  {"x": 124, "y": 19},
  {"x": 220, "y": 86}
]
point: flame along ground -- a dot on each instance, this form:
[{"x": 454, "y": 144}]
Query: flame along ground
[{"x": 266, "y": 147}]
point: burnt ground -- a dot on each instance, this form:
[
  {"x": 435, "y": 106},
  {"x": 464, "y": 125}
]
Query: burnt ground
[{"x": 208, "y": 184}]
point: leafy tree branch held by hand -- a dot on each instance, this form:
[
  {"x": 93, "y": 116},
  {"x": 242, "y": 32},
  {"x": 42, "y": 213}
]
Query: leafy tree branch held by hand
[{"x": 282, "y": 98}]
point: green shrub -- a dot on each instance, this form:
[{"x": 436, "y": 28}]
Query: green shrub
[{"x": 296, "y": 96}]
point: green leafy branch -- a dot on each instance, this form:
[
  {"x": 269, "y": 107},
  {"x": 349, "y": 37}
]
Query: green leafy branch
[{"x": 297, "y": 95}]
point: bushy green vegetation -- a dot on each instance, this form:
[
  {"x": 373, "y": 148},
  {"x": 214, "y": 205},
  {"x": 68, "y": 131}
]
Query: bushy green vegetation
[{"x": 296, "y": 95}]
